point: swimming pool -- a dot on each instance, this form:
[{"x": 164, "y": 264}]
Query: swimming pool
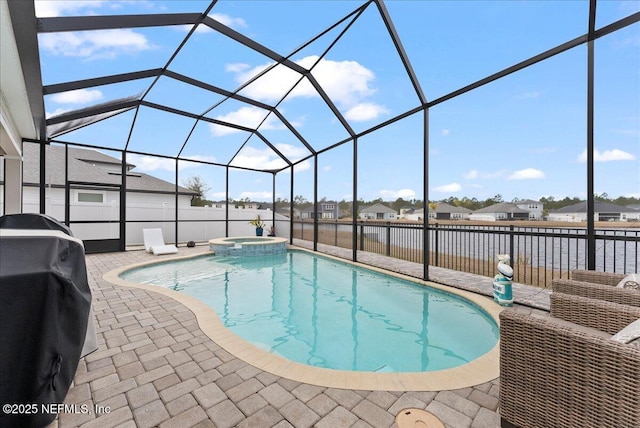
[{"x": 330, "y": 314}]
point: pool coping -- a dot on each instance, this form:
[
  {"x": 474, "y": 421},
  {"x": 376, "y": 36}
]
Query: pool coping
[
  {"x": 258, "y": 240},
  {"x": 481, "y": 370}
]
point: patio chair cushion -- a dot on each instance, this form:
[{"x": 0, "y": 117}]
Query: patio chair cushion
[
  {"x": 628, "y": 334},
  {"x": 630, "y": 282}
]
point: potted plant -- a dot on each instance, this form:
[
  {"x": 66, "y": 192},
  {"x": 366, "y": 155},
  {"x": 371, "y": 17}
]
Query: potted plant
[
  {"x": 272, "y": 231},
  {"x": 259, "y": 225}
]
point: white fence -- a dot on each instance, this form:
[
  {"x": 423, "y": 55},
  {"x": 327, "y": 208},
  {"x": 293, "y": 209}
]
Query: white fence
[{"x": 197, "y": 224}]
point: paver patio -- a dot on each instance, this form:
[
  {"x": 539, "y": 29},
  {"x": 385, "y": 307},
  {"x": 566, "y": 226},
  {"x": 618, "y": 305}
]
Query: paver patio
[{"x": 155, "y": 367}]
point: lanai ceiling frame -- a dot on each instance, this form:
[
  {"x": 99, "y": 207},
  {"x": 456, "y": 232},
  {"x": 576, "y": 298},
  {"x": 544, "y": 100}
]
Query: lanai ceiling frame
[{"x": 84, "y": 23}]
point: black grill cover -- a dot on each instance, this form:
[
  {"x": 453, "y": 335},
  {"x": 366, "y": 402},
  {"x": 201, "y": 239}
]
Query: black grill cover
[
  {"x": 44, "y": 309},
  {"x": 33, "y": 221}
]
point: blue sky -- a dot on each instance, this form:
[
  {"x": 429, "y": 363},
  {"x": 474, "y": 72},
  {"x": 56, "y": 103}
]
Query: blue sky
[{"x": 521, "y": 136}]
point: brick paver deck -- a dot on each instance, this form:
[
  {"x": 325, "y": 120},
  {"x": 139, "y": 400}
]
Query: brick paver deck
[{"x": 155, "y": 367}]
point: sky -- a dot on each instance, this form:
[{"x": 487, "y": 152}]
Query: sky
[{"x": 522, "y": 136}]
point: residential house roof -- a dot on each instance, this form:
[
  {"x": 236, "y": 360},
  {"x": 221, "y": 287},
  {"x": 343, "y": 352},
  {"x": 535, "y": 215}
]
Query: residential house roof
[
  {"x": 502, "y": 207},
  {"x": 378, "y": 208},
  {"x": 598, "y": 206},
  {"x": 443, "y": 207},
  {"x": 82, "y": 168}
]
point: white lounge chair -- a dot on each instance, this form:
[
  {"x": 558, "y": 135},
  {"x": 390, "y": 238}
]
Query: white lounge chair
[{"x": 154, "y": 242}]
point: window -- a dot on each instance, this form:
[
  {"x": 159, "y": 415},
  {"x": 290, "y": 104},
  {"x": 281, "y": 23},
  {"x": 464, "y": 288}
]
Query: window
[
  {"x": 329, "y": 206},
  {"x": 92, "y": 197}
]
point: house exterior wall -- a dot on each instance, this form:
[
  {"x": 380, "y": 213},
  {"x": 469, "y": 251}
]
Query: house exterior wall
[
  {"x": 632, "y": 216},
  {"x": 459, "y": 216},
  {"x": 483, "y": 217},
  {"x": 378, "y": 216},
  {"x": 326, "y": 210},
  {"x": 419, "y": 216},
  {"x": 151, "y": 211},
  {"x": 534, "y": 208},
  {"x": 579, "y": 217}
]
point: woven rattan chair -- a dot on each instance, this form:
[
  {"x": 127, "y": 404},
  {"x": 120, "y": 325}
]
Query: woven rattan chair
[
  {"x": 606, "y": 278},
  {"x": 597, "y": 285},
  {"x": 556, "y": 373}
]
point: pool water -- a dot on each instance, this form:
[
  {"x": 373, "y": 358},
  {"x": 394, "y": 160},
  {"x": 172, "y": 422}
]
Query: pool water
[{"x": 330, "y": 314}]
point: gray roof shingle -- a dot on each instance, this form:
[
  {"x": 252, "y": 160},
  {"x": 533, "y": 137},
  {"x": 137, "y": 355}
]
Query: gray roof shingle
[{"x": 82, "y": 168}]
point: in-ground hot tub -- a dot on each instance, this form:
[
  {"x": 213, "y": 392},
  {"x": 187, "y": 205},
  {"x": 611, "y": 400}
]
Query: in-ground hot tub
[{"x": 248, "y": 246}]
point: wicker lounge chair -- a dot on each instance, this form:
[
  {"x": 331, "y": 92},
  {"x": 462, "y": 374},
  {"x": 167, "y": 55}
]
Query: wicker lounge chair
[
  {"x": 597, "y": 285},
  {"x": 606, "y": 278},
  {"x": 556, "y": 373}
]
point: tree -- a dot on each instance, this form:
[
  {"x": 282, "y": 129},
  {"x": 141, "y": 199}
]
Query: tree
[
  {"x": 399, "y": 204},
  {"x": 198, "y": 185}
]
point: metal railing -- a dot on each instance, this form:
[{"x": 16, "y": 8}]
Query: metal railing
[{"x": 539, "y": 254}]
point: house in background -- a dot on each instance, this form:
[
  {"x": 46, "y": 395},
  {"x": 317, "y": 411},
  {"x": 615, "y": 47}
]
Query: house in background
[
  {"x": 534, "y": 207},
  {"x": 326, "y": 210},
  {"x": 603, "y": 211},
  {"x": 412, "y": 214},
  {"x": 378, "y": 212},
  {"x": 445, "y": 211},
  {"x": 95, "y": 180},
  {"x": 501, "y": 211}
]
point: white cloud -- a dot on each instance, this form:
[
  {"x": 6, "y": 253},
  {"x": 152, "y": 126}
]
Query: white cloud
[
  {"x": 302, "y": 166},
  {"x": 250, "y": 157},
  {"x": 222, "y": 18},
  {"x": 229, "y": 21},
  {"x": 217, "y": 195},
  {"x": 249, "y": 117},
  {"x": 95, "y": 44},
  {"x": 254, "y": 196},
  {"x": 606, "y": 156},
  {"x": 347, "y": 83},
  {"x": 292, "y": 153},
  {"x": 395, "y": 194},
  {"x": 365, "y": 111},
  {"x": 266, "y": 159},
  {"x": 445, "y": 132},
  {"x": 62, "y": 7},
  {"x": 527, "y": 174},
  {"x": 449, "y": 188},
  {"x": 236, "y": 67},
  {"x": 474, "y": 174},
  {"x": 79, "y": 96},
  {"x": 152, "y": 163},
  {"x": 326, "y": 168},
  {"x": 471, "y": 175}
]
